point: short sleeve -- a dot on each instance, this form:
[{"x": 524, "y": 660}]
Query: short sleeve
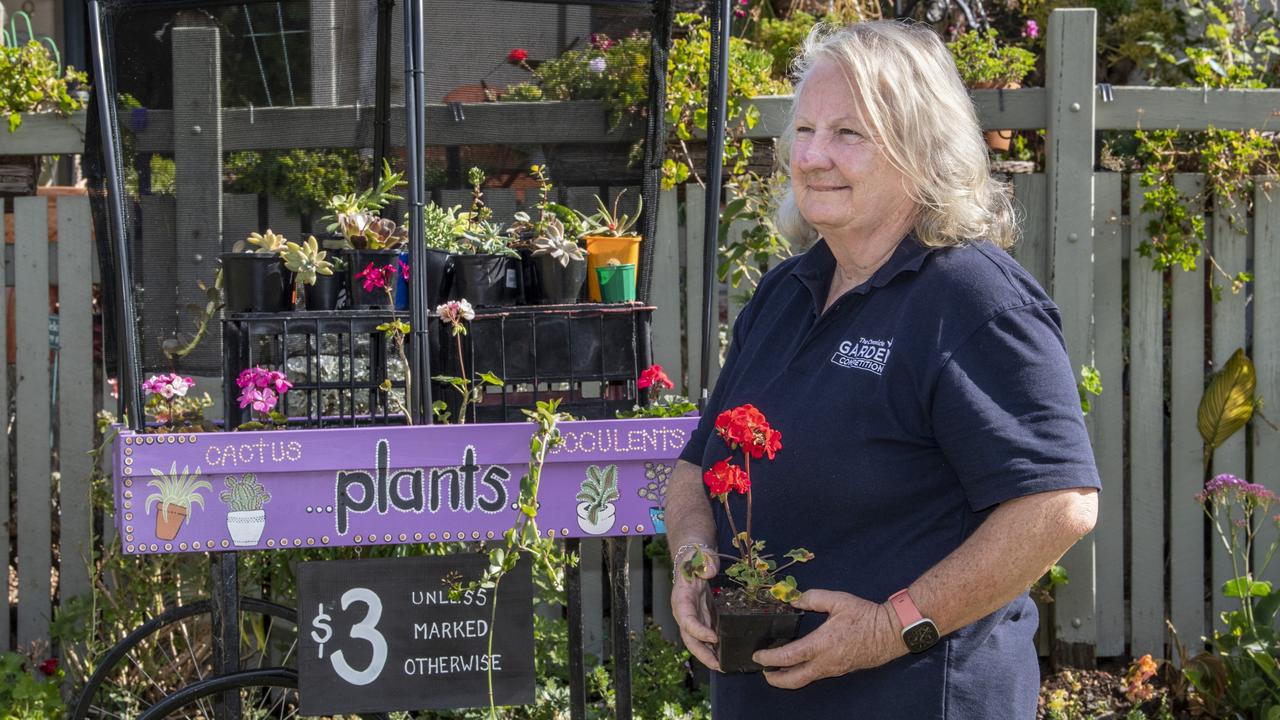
[
  {"x": 697, "y": 443},
  {"x": 1006, "y": 411}
]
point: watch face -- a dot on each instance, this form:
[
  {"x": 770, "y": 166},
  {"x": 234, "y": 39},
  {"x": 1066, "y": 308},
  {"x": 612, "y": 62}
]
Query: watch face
[{"x": 921, "y": 636}]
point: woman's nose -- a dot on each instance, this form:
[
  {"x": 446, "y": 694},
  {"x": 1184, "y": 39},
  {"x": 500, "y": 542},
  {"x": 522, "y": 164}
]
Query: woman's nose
[{"x": 813, "y": 155}]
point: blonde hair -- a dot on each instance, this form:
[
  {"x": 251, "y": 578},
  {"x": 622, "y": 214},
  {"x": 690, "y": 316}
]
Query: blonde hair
[{"x": 922, "y": 119}]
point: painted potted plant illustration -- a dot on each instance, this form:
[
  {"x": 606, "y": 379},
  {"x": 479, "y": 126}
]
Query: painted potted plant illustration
[
  {"x": 177, "y": 492},
  {"x": 756, "y": 613},
  {"x": 655, "y": 491},
  {"x": 244, "y": 498},
  {"x": 595, "y": 499}
]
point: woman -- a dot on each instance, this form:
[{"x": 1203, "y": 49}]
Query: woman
[{"x": 934, "y": 456}]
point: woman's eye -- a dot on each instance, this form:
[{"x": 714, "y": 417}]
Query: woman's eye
[
  {"x": 803, "y": 129},
  {"x": 847, "y": 132}
]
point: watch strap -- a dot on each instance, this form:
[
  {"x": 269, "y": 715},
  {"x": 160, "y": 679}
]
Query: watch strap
[{"x": 906, "y": 610}]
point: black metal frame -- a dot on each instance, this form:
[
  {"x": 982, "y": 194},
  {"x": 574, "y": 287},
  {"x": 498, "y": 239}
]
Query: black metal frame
[{"x": 224, "y": 601}]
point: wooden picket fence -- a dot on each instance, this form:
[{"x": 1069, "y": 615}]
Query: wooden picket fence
[{"x": 1153, "y": 343}]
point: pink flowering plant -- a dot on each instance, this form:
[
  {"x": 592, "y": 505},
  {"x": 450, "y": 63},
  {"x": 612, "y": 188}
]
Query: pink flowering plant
[
  {"x": 260, "y": 391},
  {"x": 168, "y": 402},
  {"x": 455, "y": 314},
  {"x": 396, "y": 330}
]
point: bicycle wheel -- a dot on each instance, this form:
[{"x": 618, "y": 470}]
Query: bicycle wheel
[
  {"x": 174, "y": 650},
  {"x": 263, "y": 694}
]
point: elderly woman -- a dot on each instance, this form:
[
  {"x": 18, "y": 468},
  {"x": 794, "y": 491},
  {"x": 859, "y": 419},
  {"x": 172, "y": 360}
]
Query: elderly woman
[{"x": 934, "y": 454}]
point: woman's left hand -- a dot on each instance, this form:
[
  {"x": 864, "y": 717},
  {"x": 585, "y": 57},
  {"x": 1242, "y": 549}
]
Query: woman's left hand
[{"x": 857, "y": 634}]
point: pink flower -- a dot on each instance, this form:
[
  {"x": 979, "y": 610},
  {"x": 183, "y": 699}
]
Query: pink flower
[
  {"x": 739, "y": 13},
  {"x": 49, "y": 667},
  {"x": 167, "y": 385},
  {"x": 1032, "y": 30},
  {"x": 376, "y": 278},
  {"x": 600, "y": 41},
  {"x": 455, "y": 311},
  {"x": 263, "y": 401},
  {"x": 261, "y": 388},
  {"x": 404, "y": 269}
]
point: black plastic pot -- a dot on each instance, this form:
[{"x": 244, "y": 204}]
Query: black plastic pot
[
  {"x": 530, "y": 277},
  {"x": 323, "y": 295},
  {"x": 253, "y": 282},
  {"x": 358, "y": 261},
  {"x": 486, "y": 280},
  {"x": 438, "y": 276},
  {"x": 559, "y": 284},
  {"x": 740, "y": 632}
]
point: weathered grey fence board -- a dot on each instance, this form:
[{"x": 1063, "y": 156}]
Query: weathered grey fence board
[
  {"x": 75, "y": 396},
  {"x": 1106, "y": 418},
  {"x": 1146, "y": 443},
  {"x": 694, "y": 202},
  {"x": 239, "y": 219},
  {"x": 1186, "y": 463},
  {"x": 280, "y": 218},
  {"x": 45, "y": 134},
  {"x": 1032, "y": 250},
  {"x": 31, "y": 310},
  {"x": 665, "y": 286},
  {"x": 591, "y": 564},
  {"x": 1069, "y": 169},
  {"x": 1266, "y": 344},
  {"x": 662, "y": 617},
  {"x": 1230, "y": 243}
]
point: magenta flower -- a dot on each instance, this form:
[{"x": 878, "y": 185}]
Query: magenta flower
[
  {"x": 1032, "y": 30},
  {"x": 261, "y": 388},
  {"x": 168, "y": 385},
  {"x": 376, "y": 278}
]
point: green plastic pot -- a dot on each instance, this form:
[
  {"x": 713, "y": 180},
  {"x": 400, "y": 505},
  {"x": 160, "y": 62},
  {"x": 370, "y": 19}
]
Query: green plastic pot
[{"x": 617, "y": 283}]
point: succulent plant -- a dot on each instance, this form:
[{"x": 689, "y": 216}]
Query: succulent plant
[
  {"x": 268, "y": 243},
  {"x": 441, "y": 227},
  {"x": 599, "y": 490},
  {"x": 484, "y": 237},
  {"x": 355, "y": 215},
  {"x": 611, "y": 223},
  {"x": 554, "y": 243},
  {"x": 307, "y": 260}
]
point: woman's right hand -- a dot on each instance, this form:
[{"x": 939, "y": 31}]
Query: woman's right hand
[{"x": 689, "y": 605}]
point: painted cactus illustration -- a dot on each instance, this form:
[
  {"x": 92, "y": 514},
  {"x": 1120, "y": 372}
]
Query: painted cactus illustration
[
  {"x": 244, "y": 498},
  {"x": 655, "y": 491},
  {"x": 177, "y": 492}
]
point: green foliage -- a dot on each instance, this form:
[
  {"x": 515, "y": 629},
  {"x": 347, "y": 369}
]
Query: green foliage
[
  {"x": 745, "y": 255},
  {"x": 1090, "y": 384},
  {"x": 441, "y": 227},
  {"x": 28, "y": 693},
  {"x": 1043, "y": 588},
  {"x": 622, "y": 84},
  {"x": 31, "y": 81},
  {"x": 611, "y": 222},
  {"x": 983, "y": 60},
  {"x": 782, "y": 37},
  {"x": 1175, "y": 233},
  {"x": 667, "y": 407},
  {"x": 304, "y": 179},
  {"x": 244, "y": 494}
]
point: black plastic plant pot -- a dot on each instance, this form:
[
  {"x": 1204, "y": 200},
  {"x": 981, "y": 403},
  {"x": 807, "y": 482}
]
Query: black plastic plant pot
[
  {"x": 437, "y": 270},
  {"x": 253, "y": 282},
  {"x": 486, "y": 280},
  {"x": 530, "y": 277},
  {"x": 374, "y": 298},
  {"x": 741, "y": 631},
  {"x": 323, "y": 295},
  {"x": 559, "y": 284}
]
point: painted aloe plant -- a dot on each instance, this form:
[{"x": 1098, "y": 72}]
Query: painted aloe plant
[
  {"x": 598, "y": 490},
  {"x": 180, "y": 489},
  {"x": 244, "y": 493}
]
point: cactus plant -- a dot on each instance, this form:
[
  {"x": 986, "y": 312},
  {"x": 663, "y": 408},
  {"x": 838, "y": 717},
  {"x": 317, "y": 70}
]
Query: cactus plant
[{"x": 244, "y": 494}]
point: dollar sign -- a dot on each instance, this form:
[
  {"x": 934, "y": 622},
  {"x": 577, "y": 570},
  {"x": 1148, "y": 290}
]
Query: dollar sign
[{"x": 321, "y": 622}]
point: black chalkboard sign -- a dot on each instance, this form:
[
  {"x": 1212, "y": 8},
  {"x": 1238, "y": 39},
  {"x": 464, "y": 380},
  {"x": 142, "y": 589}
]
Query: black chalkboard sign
[{"x": 382, "y": 634}]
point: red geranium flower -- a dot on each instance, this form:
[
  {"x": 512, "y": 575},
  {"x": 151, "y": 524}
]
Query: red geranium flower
[
  {"x": 654, "y": 376},
  {"x": 747, "y": 428},
  {"x": 724, "y": 477},
  {"x": 517, "y": 56},
  {"x": 49, "y": 667}
]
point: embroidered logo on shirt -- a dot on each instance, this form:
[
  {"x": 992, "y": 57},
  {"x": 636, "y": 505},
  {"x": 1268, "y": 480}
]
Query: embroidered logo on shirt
[{"x": 868, "y": 354}]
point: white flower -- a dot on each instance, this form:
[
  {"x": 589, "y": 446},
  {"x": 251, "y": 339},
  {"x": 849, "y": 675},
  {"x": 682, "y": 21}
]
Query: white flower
[
  {"x": 455, "y": 311},
  {"x": 180, "y": 385},
  {"x": 597, "y": 65}
]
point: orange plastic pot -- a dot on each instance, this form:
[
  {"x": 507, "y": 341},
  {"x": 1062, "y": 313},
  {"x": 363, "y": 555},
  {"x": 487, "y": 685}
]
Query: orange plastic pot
[{"x": 601, "y": 249}]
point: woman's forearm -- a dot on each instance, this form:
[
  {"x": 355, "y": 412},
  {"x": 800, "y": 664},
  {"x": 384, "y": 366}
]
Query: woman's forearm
[
  {"x": 1014, "y": 546},
  {"x": 688, "y": 513}
]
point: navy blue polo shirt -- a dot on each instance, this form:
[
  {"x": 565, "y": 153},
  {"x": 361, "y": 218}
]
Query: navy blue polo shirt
[{"x": 922, "y": 399}]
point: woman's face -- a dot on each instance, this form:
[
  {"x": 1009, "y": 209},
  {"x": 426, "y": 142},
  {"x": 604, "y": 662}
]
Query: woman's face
[{"x": 843, "y": 184}]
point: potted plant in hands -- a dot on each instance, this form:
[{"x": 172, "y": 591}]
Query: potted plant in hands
[
  {"x": 561, "y": 265},
  {"x": 311, "y": 270},
  {"x": 608, "y": 236},
  {"x": 756, "y": 613},
  {"x": 985, "y": 64},
  {"x": 368, "y": 239},
  {"x": 244, "y": 498},
  {"x": 254, "y": 278}
]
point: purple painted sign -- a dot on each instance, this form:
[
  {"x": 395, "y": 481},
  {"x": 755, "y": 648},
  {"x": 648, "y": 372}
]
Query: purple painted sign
[{"x": 191, "y": 492}]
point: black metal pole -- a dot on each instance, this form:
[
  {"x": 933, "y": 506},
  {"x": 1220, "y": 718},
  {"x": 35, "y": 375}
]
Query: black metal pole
[
  {"x": 130, "y": 387},
  {"x": 655, "y": 141},
  {"x": 620, "y": 582},
  {"x": 717, "y": 87},
  {"x": 415, "y": 121},
  {"x": 577, "y": 664},
  {"x": 224, "y": 597},
  {"x": 382, "y": 86}
]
